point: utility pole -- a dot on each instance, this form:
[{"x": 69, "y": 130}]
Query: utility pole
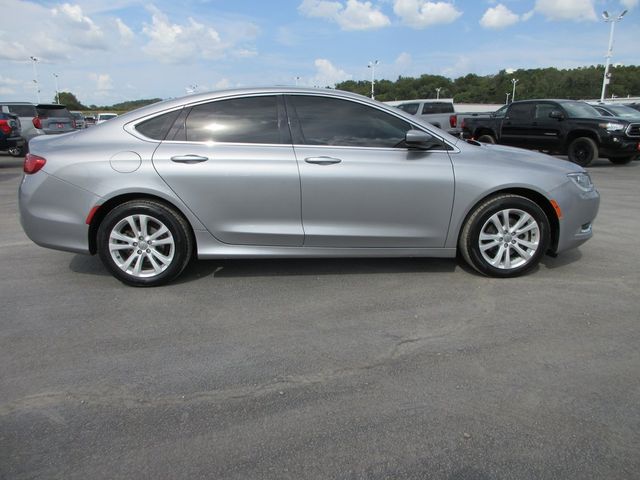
[
  {"x": 508, "y": 93},
  {"x": 35, "y": 76},
  {"x": 372, "y": 66},
  {"x": 513, "y": 95},
  {"x": 55, "y": 75},
  {"x": 607, "y": 76}
]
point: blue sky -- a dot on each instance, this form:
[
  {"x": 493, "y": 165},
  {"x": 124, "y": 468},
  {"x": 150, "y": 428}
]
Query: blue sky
[{"x": 106, "y": 52}]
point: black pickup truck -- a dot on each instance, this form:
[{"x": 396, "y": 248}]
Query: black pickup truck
[{"x": 565, "y": 127}]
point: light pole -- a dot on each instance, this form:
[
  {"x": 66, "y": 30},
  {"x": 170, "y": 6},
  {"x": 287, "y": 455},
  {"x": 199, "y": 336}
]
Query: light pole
[
  {"x": 438, "y": 93},
  {"x": 55, "y": 75},
  {"x": 35, "y": 76},
  {"x": 513, "y": 95},
  {"x": 508, "y": 93},
  {"x": 297, "y": 80},
  {"x": 612, "y": 21},
  {"x": 372, "y": 66}
]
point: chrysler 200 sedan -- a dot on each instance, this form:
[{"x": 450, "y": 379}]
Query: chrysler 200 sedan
[{"x": 289, "y": 172}]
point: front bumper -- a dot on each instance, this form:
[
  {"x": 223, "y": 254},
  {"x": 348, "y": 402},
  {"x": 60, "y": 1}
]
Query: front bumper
[
  {"x": 619, "y": 145},
  {"x": 579, "y": 210}
]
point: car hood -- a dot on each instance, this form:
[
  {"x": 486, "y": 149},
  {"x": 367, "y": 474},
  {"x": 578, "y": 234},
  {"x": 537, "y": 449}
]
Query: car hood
[{"x": 509, "y": 157}]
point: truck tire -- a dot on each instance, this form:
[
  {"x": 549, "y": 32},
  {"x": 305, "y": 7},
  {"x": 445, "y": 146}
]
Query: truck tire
[
  {"x": 582, "y": 150},
  {"x": 486, "y": 138}
]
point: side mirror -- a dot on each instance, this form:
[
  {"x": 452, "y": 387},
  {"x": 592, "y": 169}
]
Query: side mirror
[
  {"x": 557, "y": 114},
  {"x": 420, "y": 139}
]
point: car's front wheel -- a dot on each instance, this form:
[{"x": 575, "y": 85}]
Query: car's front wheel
[
  {"x": 505, "y": 236},
  {"x": 144, "y": 243}
]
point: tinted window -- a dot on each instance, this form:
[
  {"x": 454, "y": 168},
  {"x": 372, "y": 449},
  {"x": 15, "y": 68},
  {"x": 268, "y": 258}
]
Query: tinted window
[
  {"x": 22, "y": 110},
  {"x": 238, "y": 120},
  {"x": 521, "y": 111},
  {"x": 53, "y": 111},
  {"x": 330, "y": 121},
  {"x": 580, "y": 110},
  {"x": 411, "y": 108},
  {"x": 501, "y": 112},
  {"x": 157, "y": 127},
  {"x": 437, "y": 107},
  {"x": 543, "y": 110}
]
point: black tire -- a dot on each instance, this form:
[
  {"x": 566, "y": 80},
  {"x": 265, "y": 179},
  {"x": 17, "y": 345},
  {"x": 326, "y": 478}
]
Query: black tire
[
  {"x": 622, "y": 160},
  {"x": 17, "y": 151},
  {"x": 583, "y": 151},
  {"x": 486, "y": 138},
  {"x": 156, "y": 256},
  {"x": 495, "y": 242}
]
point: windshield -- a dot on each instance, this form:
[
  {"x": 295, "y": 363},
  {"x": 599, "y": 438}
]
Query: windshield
[
  {"x": 580, "y": 110},
  {"x": 623, "y": 111}
]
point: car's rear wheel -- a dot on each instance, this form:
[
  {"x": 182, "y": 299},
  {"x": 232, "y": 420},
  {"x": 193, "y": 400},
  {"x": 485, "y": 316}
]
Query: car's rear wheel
[
  {"x": 505, "y": 236},
  {"x": 144, "y": 243},
  {"x": 583, "y": 151}
]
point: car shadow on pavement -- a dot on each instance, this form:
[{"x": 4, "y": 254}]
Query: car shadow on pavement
[
  {"x": 315, "y": 266},
  {"x": 566, "y": 258}
]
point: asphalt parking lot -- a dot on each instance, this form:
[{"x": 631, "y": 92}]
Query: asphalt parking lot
[{"x": 324, "y": 369}]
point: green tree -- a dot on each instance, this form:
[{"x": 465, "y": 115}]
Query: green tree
[{"x": 70, "y": 101}]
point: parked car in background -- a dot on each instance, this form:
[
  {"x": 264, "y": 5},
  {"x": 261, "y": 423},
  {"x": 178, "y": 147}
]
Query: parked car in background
[
  {"x": 89, "y": 121},
  {"x": 103, "y": 117},
  {"x": 10, "y": 134},
  {"x": 439, "y": 113},
  {"x": 53, "y": 119},
  {"x": 26, "y": 113},
  {"x": 566, "y": 127},
  {"x": 79, "y": 119},
  {"x": 617, "y": 110},
  {"x": 293, "y": 172}
]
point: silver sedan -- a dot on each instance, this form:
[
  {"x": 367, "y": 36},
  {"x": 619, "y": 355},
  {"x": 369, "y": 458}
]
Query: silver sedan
[{"x": 289, "y": 172}]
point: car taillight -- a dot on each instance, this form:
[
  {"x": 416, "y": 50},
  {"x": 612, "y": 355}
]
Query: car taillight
[
  {"x": 36, "y": 122},
  {"x": 33, "y": 163},
  {"x": 5, "y": 127},
  {"x": 453, "y": 121}
]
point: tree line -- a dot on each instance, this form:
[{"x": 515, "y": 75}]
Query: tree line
[{"x": 578, "y": 83}]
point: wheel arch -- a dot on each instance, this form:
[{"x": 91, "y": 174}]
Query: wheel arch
[
  {"x": 484, "y": 131},
  {"x": 543, "y": 202},
  {"x": 580, "y": 133},
  {"x": 112, "y": 203}
]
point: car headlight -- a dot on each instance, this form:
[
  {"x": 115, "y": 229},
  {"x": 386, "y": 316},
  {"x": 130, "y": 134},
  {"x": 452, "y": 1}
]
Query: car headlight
[
  {"x": 582, "y": 180},
  {"x": 611, "y": 126}
]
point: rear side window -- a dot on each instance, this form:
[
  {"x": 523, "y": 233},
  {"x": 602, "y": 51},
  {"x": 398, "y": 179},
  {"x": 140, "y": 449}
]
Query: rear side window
[
  {"x": 22, "y": 110},
  {"x": 521, "y": 111},
  {"x": 237, "y": 120},
  {"x": 330, "y": 121},
  {"x": 411, "y": 108},
  {"x": 157, "y": 128},
  {"x": 437, "y": 107}
]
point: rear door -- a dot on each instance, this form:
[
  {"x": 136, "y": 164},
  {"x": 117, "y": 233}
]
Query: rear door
[
  {"x": 232, "y": 163},
  {"x": 516, "y": 127}
]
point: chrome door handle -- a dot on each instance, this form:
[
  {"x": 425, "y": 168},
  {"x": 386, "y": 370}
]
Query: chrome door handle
[
  {"x": 322, "y": 160},
  {"x": 189, "y": 159}
]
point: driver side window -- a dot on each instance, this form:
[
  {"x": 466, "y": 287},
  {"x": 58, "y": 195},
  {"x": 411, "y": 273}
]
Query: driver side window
[{"x": 337, "y": 122}]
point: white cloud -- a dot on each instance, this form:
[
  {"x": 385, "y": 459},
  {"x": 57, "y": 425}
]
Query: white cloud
[
  {"x": 81, "y": 29},
  {"x": 629, "y": 4},
  {"x": 404, "y": 60},
  {"x": 576, "y": 10},
  {"x": 327, "y": 75},
  {"x": 174, "y": 43},
  {"x": 356, "y": 15},
  {"x": 103, "y": 82},
  {"x": 498, "y": 17},
  {"x": 126, "y": 34},
  {"x": 422, "y": 13}
]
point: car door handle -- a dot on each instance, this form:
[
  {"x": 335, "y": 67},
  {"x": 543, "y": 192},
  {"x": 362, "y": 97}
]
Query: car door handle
[
  {"x": 322, "y": 160},
  {"x": 189, "y": 159}
]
